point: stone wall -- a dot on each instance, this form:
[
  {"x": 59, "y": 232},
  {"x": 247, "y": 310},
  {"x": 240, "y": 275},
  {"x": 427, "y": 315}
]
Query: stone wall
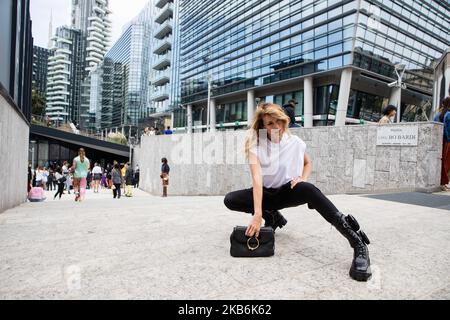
[
  {"x": 14, "y": 135},
  {"x": 344, "y": 160}
]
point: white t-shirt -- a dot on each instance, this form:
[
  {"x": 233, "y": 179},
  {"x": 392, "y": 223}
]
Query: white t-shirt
[
  {"x": 96, "y": 170},
  {"x": 280, "y": 162}
]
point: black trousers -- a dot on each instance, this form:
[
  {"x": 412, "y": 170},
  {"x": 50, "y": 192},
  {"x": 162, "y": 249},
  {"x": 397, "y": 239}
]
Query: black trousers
[
  {"x": 116, "y": 191},
  {"x": 60, "y": 190},
  {"x": 284, "y": 197}
]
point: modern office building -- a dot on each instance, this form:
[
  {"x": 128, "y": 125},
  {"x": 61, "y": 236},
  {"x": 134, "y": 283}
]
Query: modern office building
[
  {"x": 65, "y": 73},
  {"x": 120, "y": 90},
  {"x": 40, "y": 65},
  {"x": 335, "y": 57},
  {"x": 91, "y": 17}
]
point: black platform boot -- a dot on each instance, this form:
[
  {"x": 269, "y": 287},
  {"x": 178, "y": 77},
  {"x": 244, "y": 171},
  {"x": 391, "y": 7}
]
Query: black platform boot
[
  {"x": 274, "y": 219},
  {"x": 349, "y": 228}
]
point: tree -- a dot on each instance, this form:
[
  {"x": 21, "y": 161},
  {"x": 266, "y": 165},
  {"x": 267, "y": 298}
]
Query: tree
[{"x": 37, "y": 102}]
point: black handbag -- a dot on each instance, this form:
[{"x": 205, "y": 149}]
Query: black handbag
[{"x": 244, "y": 246}]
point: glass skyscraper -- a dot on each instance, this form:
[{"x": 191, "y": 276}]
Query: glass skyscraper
[
  {"x": 40, "y": 65},
  {"x": 119, "y": 87},
  {"x": 334, "y": 57}
]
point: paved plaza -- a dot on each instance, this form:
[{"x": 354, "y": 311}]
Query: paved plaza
[{"x": 149, "y": 247}]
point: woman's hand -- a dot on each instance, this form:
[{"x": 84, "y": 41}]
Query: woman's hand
[
  {"x": 254, "y": 226},
  {"x": 296, "y": 180}
]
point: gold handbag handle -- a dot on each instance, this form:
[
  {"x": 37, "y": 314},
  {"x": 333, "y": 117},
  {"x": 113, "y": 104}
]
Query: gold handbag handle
[{"x": 250, "y": 247}]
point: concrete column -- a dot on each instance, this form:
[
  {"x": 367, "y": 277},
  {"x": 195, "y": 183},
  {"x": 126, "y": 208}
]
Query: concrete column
[
  {"x": 213, "y": 115},
  {"x": 308, "y": 92},
  {"x": 344, "y": 93},
  {"x": 250, "y": 106},
  {"x": 189, "y": 118}
]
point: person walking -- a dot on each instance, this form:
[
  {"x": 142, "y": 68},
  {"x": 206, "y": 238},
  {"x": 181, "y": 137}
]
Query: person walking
[
  {"x": 165, "y": 169},
  {"x": 280, "y": 168},
  {"x": 289, "y": 109},
  {"x": 80, "y": 167},
  {"x": 117, "y": 179},
  {"x": 443, "y": 116},
  {"x": 66, "y": 173},
  {"x": 60, "y": 179},
  {"x": 97, "y": 172},
  {"x": 136, "y": 177},
  {"x": 388, "y": 115},
  {"x": 128, "y": 180}
]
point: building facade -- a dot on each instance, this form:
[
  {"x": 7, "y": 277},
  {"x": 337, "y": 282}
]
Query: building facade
[
  {"x": 40, "y": 65},
  {"x": 162, "y": 55},
  {"x": 336, "y": 58},
  {"x": 64, "y": 77},
  {"x": 91, "y": 17},
  {"x": 16, "y": 64},
  {"x": 120, "y": 85}
]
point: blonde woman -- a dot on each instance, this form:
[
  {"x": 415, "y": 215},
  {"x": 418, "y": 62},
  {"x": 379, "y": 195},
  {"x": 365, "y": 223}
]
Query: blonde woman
[
  {"x": 280, "y": 169},
  {"x": 80, "y": 167}
]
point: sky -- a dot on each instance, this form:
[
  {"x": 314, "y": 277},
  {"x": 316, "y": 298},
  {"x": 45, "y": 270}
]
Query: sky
[{"x": 122, "y": 12}]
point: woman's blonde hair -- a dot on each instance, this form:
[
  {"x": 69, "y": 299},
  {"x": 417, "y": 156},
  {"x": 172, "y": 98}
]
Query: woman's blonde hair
[
  {"x": 81, "y": 153},
  {"x": 263, "y": 109}
]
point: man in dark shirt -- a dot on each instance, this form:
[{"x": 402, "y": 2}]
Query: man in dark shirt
[{"x": 289, "y": 109}]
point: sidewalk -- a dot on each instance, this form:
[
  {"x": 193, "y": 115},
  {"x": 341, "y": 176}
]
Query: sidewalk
[{"x": 149, "y": 247}]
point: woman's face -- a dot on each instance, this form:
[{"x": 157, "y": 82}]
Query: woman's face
[
  {"x": 392, "y": 114},
  {"x": 274, "y": 128}
]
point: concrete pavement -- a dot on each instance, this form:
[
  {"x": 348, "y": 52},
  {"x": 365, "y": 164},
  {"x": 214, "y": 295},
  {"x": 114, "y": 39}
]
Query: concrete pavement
[{"x": 149, "y": 247}]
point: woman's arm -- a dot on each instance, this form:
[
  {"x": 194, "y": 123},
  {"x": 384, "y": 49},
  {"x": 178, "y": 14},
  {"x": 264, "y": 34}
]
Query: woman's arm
[
  {"x": 255, "y": 169},
  {"x": 306, "y": 171}
]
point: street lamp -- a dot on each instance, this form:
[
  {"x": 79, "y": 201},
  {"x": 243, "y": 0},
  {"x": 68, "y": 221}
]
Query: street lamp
[{"x": 399, "y": 71}]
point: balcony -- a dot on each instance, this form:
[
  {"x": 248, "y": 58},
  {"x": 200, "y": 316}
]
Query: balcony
[
  {"x": 160, "y": 96},
  {"x": 163, "y": 61},
  {"x": 161, "y": 3},
  {"x": 164, "y": 30},
  {"x": 99, "y": 10},
  {"x": 166, "y": 13},
  {"x": 162, "y": 77},
  {"x": 163, "y": 46}
]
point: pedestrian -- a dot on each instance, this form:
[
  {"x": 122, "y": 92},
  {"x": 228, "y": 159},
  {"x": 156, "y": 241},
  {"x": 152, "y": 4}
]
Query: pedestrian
[
  {"x": 164, "y": 176},
  {"x": 97, "y": 172},
  {"x": 39, "y": 176},
  {"x": 89, "y": 180},
  {"x": 128, "y": 180},
  {"x": 289, "y": 109},
  {"x": 280, "y": 169},
  {"x": 108, "y": 176},
  {"x": 152, "y": 131},
  {"x": 146, "y": 131},
  {"x": 443, "y": 116},
  {"x": 30, "y": 178},
  {"x": 66, "y": 173},
  {"x": 116, "y": 177},
  {"x": 50, "y": 179},
  {"x": 388, "y": 115},
  {"x": 60, "y": 179},
  {"x": 168, "y": 131},
  {"x": 103, "y": 181},
  {"x": 123, "y": 170},
  {"x": 136, "y": 177},
  {"x": 44, "y": 178},
  {"x": 80, "y": 167}
]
